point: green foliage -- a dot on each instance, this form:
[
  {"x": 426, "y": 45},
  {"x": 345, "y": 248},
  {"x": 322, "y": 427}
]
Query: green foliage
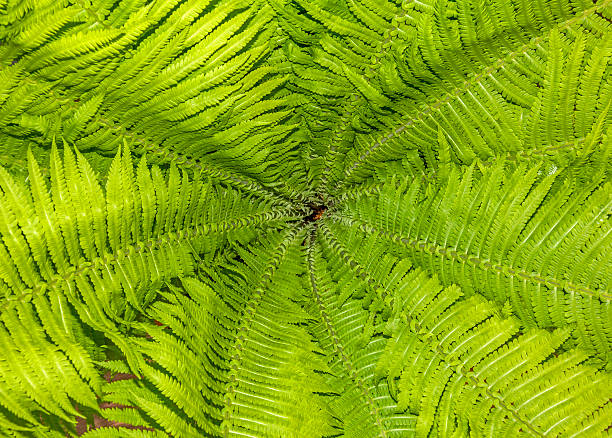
[{"x": 305, "y": 218}]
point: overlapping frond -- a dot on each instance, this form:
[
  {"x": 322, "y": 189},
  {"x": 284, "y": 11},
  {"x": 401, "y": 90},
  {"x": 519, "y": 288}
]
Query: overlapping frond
[
  {"x": 540, "y": 242},
  {"x": 346, "y": 332},
  {"x": 462, "y": 364},
  {"x": 232, "y": 357},
  {"x": 193, "y": 83},
  {"x": 79, "y": 263},
  {"x": 503, "y": 79}
]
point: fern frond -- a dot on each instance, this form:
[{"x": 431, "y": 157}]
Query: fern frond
[
  {"x": 539, "y": 243},
  {"x": 160, "y": 75},
  {"x": 222, "y": 336},
  {"x": 345, "y": 332},
  {"x": 82, "y": 262},
  {"x": 480, "y": 110},
  {"x": 461, "y": 366}
]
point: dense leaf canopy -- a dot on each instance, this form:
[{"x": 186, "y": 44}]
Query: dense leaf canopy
[{"x": 305, "y": 218}]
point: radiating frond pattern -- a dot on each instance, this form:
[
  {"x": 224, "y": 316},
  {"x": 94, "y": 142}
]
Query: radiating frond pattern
[{"x": 305, "y": 218}]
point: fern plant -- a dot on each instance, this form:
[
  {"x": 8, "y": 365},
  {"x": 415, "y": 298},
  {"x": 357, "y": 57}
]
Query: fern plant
[{"x": 305, "y": 218}]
